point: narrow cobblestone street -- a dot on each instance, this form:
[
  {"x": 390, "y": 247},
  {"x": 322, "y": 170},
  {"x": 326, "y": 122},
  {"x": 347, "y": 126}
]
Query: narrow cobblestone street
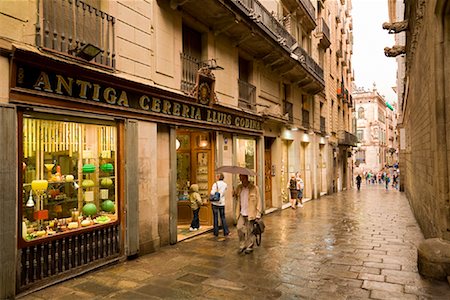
[{"x": 350, "y": 245}]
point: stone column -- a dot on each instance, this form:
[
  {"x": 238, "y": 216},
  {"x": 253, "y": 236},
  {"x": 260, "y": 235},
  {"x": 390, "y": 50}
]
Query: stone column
[{"x": 8, "y": 201}]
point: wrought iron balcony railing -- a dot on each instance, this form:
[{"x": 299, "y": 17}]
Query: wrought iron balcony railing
[
  {"x": 322, "y": 125},
  {"x": 67, "y": 25},
  {"x": 324, "y": 33},
  {"x": 346, "y": 138},
  {"x": 257, "y": 12},
  {"x": 305, "y": 118},
  {"x": 308, "y": 6},
  {"x": 247, "y": 95},
  {"x": 189, "y": 68}
]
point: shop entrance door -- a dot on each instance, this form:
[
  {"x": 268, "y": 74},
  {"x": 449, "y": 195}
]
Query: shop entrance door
[
  {"x": 268, "y": 172},
  {"x": 268, "y": 178},
  {"x": 194, "y": 165}
]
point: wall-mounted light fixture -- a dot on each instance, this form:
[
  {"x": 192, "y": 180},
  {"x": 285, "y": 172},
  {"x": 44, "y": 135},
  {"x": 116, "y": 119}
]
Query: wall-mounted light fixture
[
  {"x": 88, "y": 52},
  {"x": 202, "y": 141}
]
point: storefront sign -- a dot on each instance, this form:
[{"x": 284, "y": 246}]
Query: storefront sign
[{"x": 77, "y": 88}]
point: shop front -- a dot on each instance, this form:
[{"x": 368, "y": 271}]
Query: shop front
[{"x": 94, "y": 188}]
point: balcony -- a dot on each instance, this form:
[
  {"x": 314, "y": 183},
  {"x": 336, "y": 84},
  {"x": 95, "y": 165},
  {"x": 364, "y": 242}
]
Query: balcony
[
  {"x": 189, "y": 68},
  {"x": 344, "y": 59},
  {"x": 66, "y": 26},
  {"x": 306, "y": 10},
  {"x": 346, "y": 138},
  {"x": 247, "y": 95},
  {"x": 305, "y": 119},
  {"x": 323, "y": 33},
  {"x": 253, "y": 29},
  {"x": 322, "y": 125}
]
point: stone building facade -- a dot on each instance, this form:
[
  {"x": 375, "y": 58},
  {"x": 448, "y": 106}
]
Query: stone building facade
[
  {"x": 423, "y": 124},
  {"x": 111, "y": 109}
]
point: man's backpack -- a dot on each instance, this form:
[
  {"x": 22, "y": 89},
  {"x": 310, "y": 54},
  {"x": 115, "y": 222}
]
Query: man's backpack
[{"x": 293, "y": 184}]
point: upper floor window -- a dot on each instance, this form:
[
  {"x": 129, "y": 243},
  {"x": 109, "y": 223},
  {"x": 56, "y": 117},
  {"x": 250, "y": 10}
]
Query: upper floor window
[
  {"x": 360, "y": 135},
  {"x": 78, "y": 28},
  {"x": 247, "y": 91},
  {"x": 361, "y": 113},
  {"x": 190, "y": 57}
]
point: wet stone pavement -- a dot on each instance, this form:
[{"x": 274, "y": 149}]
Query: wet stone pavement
[{"x": 350, "y": 245}]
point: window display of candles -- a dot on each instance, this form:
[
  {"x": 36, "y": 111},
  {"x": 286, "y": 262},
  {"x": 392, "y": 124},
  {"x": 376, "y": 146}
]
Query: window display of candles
[{"x": 68, "y": 174}]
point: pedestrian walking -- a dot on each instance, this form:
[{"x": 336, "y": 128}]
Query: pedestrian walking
[
  {"x": 248, "y": 209},
  {"x": 218, "y": 207},
  {"x": 395, "y": 180},
  {"x": 387, "y": 180},
  {"x": 300, "y": 186},
  {"x": 358, "y": 182},
  {"x": 195, "y": 203},
  {"x": 293, "y": 193}
]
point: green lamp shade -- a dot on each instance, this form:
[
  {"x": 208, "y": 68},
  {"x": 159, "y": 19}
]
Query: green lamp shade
[
  {"x": 107, "y": 168},
  {"x": 88, "y": 168},
  {"x": 108, "y": 206},
  {"x": 89, "y": 209},
  {"x": 87, "y": 183}
]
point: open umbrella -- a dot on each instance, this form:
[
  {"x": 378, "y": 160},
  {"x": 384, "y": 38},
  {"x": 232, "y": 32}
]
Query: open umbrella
[{"x": 236, "y": 170}]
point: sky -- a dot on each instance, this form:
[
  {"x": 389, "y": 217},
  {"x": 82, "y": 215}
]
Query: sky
[{"x": 369, "y": 39}]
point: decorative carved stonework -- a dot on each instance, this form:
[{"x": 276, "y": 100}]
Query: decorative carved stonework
[
  {"x": 396, "y": 27},
  {"x": 394, "y": 51},
  {"x": 416, "y": 29}
]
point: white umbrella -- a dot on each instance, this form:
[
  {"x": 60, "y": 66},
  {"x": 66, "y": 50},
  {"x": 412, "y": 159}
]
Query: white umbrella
[{"x": 235, "y": 170}]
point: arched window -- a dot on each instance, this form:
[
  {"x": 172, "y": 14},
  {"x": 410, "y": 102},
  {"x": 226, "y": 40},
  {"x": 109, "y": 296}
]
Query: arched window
[{"x": 361, "y": 113}]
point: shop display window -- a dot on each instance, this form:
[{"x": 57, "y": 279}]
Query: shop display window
[
  {"x": 68, "y": 176},
  {"x": 246, "y": 153}
]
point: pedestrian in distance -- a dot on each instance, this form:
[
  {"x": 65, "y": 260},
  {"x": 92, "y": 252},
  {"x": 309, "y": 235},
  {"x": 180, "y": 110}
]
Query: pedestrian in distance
[
  {"x": 218, "y": 207},
  {"x": 358, "y": 182},
  {"x": 248, "y": 209},
  {"x": 300, "y": 187},
  {"x": 195, "y": 203},
  {"x": 293, "y": 192},
  {"x": 387, "y": 180}
]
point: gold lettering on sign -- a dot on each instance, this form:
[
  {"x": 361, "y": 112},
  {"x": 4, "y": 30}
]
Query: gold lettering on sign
[
  {"x": 143, "y": 102},
  {"x": 176, "y": 109},
  {"x": 96, "y": 93},
  {"x": 83, "y": 88},
  {"x": 185, "y": 113},
  {"x": 110, "y": 95},
  {"x": 123, "y": 99},
  {"x": 45, "y": 81},
  {"x": 156, "y": 105},
  {"x": 63, "y": 83},
  {"x": 166, "y": 107}
]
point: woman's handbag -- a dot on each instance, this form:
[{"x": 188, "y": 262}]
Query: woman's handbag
[
  {"x": 258, "y": 229},
  {"x": 216, "y": 196}
]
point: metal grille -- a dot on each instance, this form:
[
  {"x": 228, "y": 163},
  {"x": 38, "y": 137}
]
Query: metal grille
[
  {"x": 189, "y": 69},
  {"x": 305, "y": 118},
  {"x": 247, "y": 95},
  {"x": 56, "y": 257},
  {"x": 68, "y": 25},
  {"x": 322, "y": 125}
]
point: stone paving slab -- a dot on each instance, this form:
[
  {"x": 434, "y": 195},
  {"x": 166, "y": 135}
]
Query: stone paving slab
[{"x": 350, "y": 245}]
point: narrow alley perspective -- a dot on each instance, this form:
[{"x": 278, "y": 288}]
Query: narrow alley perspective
[
  {"x": 141, "y": 140},
  {"x": 350, "y": 245}
]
